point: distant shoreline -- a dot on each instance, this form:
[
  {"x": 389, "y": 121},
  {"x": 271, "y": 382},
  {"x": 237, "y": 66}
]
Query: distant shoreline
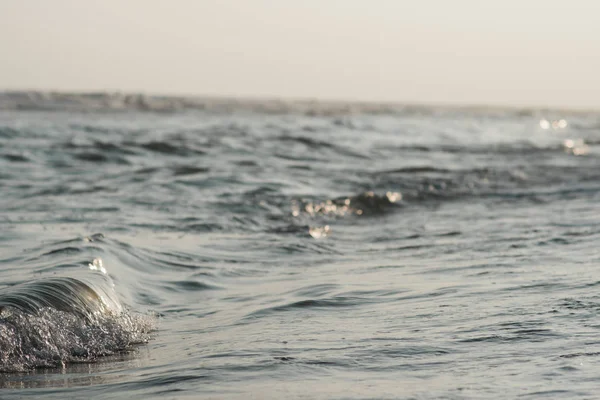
[{"x": 55, "y": 100}]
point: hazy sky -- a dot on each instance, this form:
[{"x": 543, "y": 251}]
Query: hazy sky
[{"x": 515, "y": 52}]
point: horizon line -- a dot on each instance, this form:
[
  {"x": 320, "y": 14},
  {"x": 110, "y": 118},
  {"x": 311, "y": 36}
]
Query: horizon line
[{"x": 245, "y": 98}]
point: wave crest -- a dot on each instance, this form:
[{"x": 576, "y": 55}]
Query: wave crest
[{"x": 68, "y": 294}]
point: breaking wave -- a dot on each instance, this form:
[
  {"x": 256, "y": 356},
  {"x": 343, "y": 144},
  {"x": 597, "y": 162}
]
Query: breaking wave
[{"x": 53, "y": 321}]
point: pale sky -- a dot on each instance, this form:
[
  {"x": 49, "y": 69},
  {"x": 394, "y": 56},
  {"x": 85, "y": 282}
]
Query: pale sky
[{"x": 508, "y": 52}]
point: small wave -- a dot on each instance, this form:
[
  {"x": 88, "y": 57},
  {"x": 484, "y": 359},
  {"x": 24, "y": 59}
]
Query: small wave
[
  {"x": 166, "y": 147},
  {"x": 523, "y": 148},
  {"x": 182, "y": 170},
  {"x": 317, "y": 145},
  {"x": 189, "y": 286},
  {"x": 58, "y": 320},
  {"x": 367, "y": 203},
  {"x": 331, "y": 303},
  {"x": 16, "y": 158}
]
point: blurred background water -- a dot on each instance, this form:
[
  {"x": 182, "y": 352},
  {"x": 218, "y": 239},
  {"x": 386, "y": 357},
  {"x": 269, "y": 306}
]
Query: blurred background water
[{"x": 315, "y": 250}]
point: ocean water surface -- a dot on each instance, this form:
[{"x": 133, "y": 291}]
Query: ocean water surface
[{"x": 155, "y": 247}]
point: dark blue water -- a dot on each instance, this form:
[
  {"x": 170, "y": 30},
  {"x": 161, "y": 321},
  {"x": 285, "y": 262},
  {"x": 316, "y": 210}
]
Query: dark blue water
[{"x": 265, "y": 249}]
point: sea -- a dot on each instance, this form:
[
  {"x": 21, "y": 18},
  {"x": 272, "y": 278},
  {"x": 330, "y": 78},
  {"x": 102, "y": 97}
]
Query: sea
[{"x": 156, "y": 247}]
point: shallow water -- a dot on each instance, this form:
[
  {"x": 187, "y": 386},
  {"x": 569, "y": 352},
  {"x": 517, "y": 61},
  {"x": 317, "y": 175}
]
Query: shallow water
[{"x": 307, "y": 250}]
